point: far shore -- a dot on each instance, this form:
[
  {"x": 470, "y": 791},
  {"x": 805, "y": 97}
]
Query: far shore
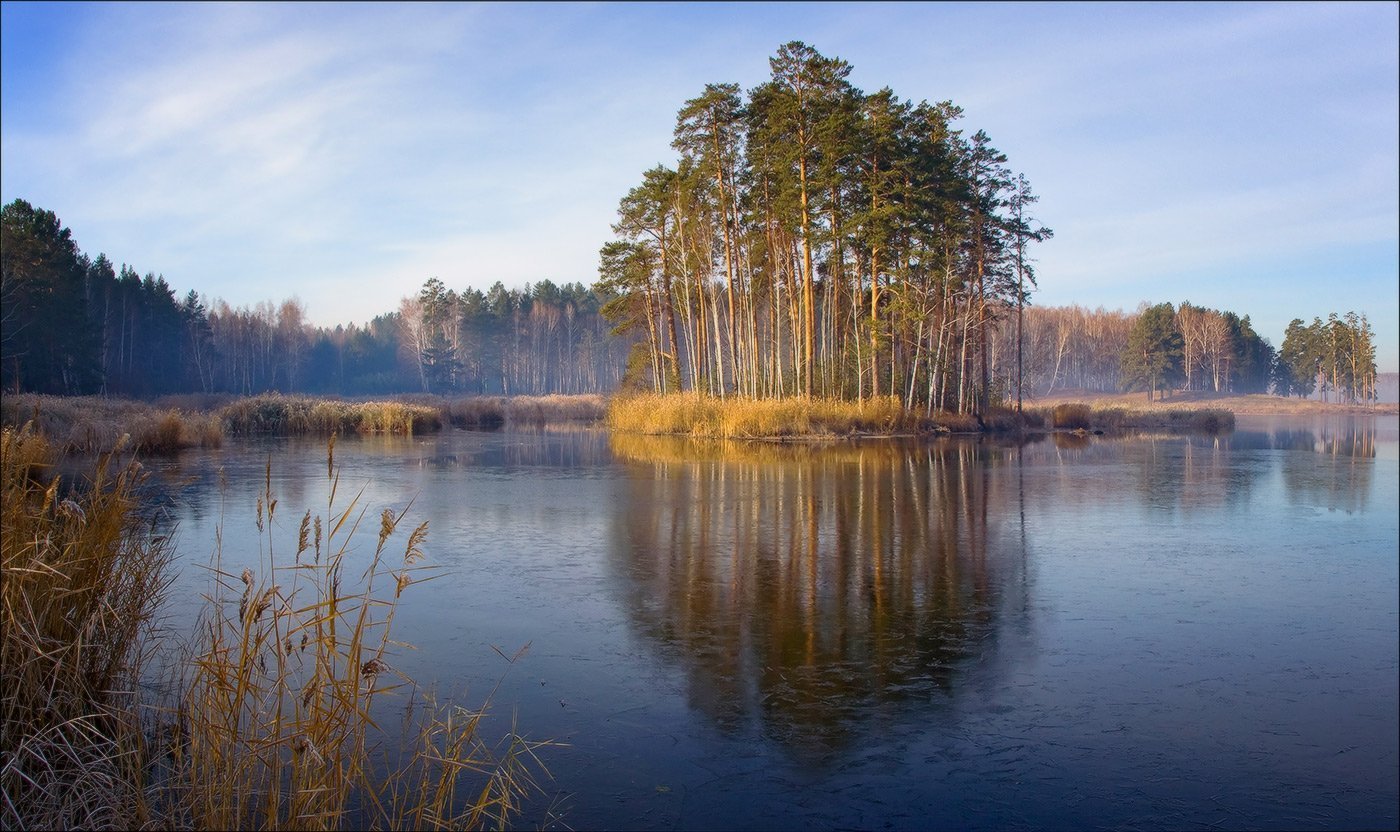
[
  {"x": 92, "y": 424},
  {"x": 1258, "y": 404}
]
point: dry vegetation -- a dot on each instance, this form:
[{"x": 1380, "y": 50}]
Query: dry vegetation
[
  {"x": 534, "y": 411},
  {"x": 273, "y": 728},
  {"x": 269, "y": 724},
  {"x": 282, "y": 415},
  {"x": 81, "y": 580},
  {"x": 92, "y": 424},
  {"x": 706, "y": 417},
  {"x": 1253, "y": 404},
  {"x": 1084, "y": 417},
  {"x": 710, "y": 417}
]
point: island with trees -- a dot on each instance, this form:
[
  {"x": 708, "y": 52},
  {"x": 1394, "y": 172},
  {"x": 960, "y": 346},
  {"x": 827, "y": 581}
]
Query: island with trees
[{"x": 812, "y": 241}]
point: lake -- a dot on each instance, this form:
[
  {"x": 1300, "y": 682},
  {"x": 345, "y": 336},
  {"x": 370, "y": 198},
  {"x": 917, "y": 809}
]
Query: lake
[{"x": 1148, "y": 631}]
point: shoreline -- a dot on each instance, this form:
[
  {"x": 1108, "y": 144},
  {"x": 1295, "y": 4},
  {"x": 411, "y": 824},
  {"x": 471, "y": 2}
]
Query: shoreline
[
  {"x": 93, "y": 424},
  {"x": 1253, "y": 404}
]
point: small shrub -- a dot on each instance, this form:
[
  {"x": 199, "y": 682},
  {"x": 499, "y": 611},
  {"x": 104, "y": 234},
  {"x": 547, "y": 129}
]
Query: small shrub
[
  {"x": 162, "y": 435},
  {"x": 1071, "y": 416}
]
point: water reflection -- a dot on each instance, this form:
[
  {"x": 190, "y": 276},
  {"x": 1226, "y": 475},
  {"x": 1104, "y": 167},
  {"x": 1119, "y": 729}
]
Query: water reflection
[
  {"x": 564, "y": 449},
  {"x": 1162, "y": 472},
  {"x": 806, "y": 593},
  {"x": 1082, "y": 631},
  {"x": 1329, "y": 465},
  {"x": 1341, "y": 479}
]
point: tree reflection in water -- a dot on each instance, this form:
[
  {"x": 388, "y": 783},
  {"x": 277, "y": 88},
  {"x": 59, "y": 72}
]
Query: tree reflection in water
[{"x": 805, "y": 591}]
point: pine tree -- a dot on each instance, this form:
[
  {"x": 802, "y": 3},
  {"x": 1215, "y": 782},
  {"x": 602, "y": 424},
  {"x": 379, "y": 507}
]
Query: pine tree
[{"x": 1152, "y": 359}]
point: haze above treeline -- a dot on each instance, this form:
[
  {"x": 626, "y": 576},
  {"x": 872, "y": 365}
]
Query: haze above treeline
[{"x": 810, "y": 239}]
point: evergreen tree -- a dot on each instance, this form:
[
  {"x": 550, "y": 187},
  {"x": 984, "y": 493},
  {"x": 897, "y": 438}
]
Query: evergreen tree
[
  {"x": 1152, "y": 358},
  {"x": 48, "y": 344}
]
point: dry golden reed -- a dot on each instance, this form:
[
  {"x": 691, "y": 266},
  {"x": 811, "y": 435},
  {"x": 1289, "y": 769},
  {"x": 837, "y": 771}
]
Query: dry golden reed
[
  {"x": 273, "y": 729},
  {"x": 277, "y": 414},
  {"x": 1081, "y": 416},
  {"x": 93, "y": 424},
  {"x": 710, "y": 417},
  {"x": 81, "y": 576},
  {"x": 269, "y": 725}
]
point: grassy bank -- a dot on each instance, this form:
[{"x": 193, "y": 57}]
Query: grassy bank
[
  {"x": 76, "y": 425},
  {"x": 709, "y": 417},
  {"x": 1255, "y": 404},
  {"x": 92, "y": 424},
  {"x": 1083, "y": 416},
  {"x": 268, "y": 723},
  {"x": 299, "y": 415},
  {"x": 705, "y": 417}
]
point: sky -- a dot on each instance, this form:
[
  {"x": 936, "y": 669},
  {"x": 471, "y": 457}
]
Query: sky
[{"x": 1243, "y": 157}]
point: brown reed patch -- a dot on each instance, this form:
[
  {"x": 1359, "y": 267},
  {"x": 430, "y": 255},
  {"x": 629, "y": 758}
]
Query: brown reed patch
[
  {"x": 1070, "y": 416},
  {"x": 300, "y": 415},
  {"x": 270, "y": 726},
  {"x": 93, "y": 424},
  {"x": 81, "y": 576},
  {"x": 273, "y": 729},
  {"x": 1080, "y": 416},
  {"x": 738, "y": 417},
  {"x": 491, "y": 412}
]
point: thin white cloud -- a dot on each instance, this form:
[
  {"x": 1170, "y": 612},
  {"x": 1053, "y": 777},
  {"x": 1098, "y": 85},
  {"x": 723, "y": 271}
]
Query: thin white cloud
[{"x": 349, "y": 152}]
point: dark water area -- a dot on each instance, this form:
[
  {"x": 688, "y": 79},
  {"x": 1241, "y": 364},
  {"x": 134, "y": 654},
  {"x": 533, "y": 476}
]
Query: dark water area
[{"x": 1150, "y": 631}]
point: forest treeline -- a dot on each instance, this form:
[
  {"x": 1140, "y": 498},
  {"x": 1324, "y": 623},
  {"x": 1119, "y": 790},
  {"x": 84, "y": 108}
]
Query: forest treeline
[
  {"x": 811, "y": 239},
  {"x": 814, "y": 239},
  {"x": 73, "y": 324}
]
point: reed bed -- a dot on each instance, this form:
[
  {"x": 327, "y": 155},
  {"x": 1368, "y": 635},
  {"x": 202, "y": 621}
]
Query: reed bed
[
  {"x": 93, "y": 424},
  {"x": 1081, "y": 416},
  {"x": 273, "y": 729},
  {"x": 282, "y": 415},
  {"x": 268, "y": 722},
  {"x": 535, "y": 411},
  {"x": 82, "y": 578},
  {"x": 709, "y": 417},
  {"x": 1071, "y": 416}
]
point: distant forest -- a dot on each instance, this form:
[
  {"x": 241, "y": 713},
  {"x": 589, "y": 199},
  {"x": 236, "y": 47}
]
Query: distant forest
[
  {"x": 71, "y": 324},
  {"x": 811, "y": 240},
  {"x": 74, "y": 324}
]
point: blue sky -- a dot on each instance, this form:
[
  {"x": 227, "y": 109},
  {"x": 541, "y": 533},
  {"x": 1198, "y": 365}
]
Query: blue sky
[{"x": 1241, "y": 157}]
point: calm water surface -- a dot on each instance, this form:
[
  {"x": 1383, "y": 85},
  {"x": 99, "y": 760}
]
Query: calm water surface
[{"x": 1154, "y": 631}]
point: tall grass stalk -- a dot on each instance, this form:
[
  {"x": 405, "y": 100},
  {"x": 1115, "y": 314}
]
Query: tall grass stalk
[
  {"x": 274, "y": 728},
  {"x": 271, "y": 724},
  {"x": 81, "y": 576}
]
